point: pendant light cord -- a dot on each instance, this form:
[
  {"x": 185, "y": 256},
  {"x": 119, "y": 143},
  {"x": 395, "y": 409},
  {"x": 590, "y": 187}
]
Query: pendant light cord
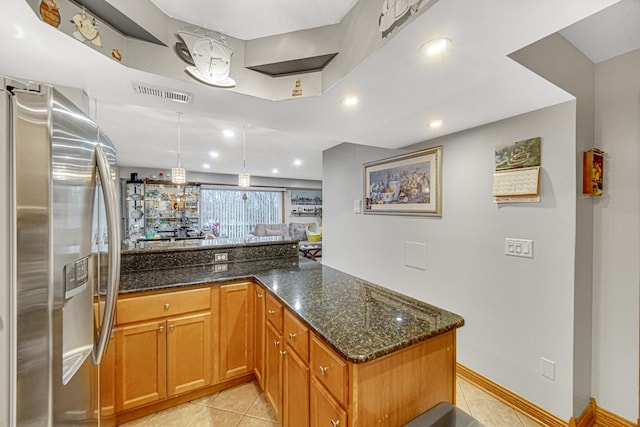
[
  {"x": 179, "y": 135},
  {"x": 244, "y": 147}
]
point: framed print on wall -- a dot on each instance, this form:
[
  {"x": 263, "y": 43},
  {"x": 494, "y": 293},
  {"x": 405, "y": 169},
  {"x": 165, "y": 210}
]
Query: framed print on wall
[{"x": 409, "y": 184}]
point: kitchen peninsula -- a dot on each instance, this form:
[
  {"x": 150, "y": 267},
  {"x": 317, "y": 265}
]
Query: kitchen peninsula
[{"x": 326, "y": 347}]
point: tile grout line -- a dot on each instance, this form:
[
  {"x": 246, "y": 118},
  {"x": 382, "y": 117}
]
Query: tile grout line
[{"x": 490, "y": 398}]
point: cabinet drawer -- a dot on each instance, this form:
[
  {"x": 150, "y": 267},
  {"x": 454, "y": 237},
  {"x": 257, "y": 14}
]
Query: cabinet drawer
[
  {"x": 296, "y": 335},
  {"x": 146, "y": 307},
  {"x": 329, "y": 369},
  {"x": 274, "y": 312}
]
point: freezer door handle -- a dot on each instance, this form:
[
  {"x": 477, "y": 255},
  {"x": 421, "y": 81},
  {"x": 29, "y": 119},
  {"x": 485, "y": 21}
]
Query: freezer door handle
[{"x": 113, "y": 278}]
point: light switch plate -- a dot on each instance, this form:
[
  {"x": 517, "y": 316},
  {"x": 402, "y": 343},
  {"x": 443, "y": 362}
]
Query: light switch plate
[{"x": 518, "y": 247}]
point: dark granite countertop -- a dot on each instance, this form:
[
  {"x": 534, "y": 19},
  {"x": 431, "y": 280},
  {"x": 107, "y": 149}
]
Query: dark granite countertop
[{"x": 360, "y": 320}]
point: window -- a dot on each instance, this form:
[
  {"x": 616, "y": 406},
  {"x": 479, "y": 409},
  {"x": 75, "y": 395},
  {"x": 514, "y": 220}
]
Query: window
[{"x": 237, "y": 217}]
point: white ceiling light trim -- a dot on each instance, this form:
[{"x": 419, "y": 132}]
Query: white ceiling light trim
[
  {"x": 350, "y": 101},
  {"x": 436, "y": 47}
]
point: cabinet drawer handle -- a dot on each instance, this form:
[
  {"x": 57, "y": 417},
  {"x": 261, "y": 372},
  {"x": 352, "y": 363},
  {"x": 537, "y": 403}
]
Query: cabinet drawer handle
[
  {"x": 271, "y": 311},
  {"x": 171, "y": 327},
  {"x": 276, "y": 343},
  {"x": 292, "y": 335},
  {"x": 161, "y": 329},
  {"x": 166, "y": 306},
  {"x": 323, "y": 369},
  {"x": 282, "y": 353},
  {"x": 335, "y": 423}
]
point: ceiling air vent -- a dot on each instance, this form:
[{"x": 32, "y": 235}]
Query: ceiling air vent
[{"x": 162, "y": 92}]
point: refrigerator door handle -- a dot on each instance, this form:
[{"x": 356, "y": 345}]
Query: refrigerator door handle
[{"x": 113, "y": 278}]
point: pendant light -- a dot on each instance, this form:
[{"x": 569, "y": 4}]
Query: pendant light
[
  {"x": 244, "y": 179},
  {"x": 178, "y": 175}
]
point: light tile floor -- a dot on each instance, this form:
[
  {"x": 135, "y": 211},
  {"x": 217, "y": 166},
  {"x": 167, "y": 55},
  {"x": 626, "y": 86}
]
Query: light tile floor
[{"x": 246, "y": 406}]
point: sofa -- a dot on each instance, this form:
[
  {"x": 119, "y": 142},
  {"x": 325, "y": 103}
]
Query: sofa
[
  {"x": 266, "y": 230},
  {"x": 304, "y": 232}
]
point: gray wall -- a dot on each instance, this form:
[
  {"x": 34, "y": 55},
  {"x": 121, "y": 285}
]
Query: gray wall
[
  {"x": 516, "y": 310},
  {"x": 616, "y": 261},
  {"x": 557, "y": 60}
]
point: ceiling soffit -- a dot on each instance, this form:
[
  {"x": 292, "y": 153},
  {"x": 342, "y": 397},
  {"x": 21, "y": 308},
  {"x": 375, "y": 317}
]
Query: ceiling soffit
[
  {"x": 283, "y": 57},
  {"x": 118, "y": 20}
]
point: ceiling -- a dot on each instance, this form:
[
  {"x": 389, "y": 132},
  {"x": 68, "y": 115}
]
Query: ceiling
[
  {"x": 250, "y": 19},
  {"x": 473, "y": 84}
]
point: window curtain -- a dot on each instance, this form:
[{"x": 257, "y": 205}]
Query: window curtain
[{"x": 225, "y": 213}]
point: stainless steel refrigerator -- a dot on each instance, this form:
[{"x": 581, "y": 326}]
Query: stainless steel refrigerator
[{"x": 59, "y": 260}]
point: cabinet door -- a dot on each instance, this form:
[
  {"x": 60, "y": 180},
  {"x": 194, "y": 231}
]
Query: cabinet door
[
  {"x": 140, "y": 364},
  {"x": 296, "y": 391},
  {"x": 273, "y": 369},
  {"x": 258, "y": 343},
  {"x": 188, "y": 353},
  {"x": 325, "y": 411},
  {"x": 236, "y": 330}
]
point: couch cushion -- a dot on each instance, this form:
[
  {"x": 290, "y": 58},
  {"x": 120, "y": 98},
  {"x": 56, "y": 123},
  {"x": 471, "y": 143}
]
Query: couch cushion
[
  {"x": 298, "y": 231},
  {"x": 261, "y": 230},
  {"x": 274, "y": 232}
]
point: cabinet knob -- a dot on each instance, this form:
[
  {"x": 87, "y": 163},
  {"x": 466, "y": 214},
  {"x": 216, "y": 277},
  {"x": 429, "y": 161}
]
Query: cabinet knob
[
  {"x": 172, "y": 327},
  {"x": 323, "y": 369},
  {"x": 276, "y": 343},
  {"x": 335, "y": 423},
  {"x": 292, "y": 335},
  {"x": 271, "y": 311},
  {"x": 282, "y": 353},
  {"x": 259, "y": 295},
  {"x": 166, "y": 306},
  {"x": 161, "y": 329}
]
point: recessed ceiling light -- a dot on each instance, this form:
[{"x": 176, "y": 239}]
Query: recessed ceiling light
[
  {"x": 350, "y": 101},
  {"x": 436, "y": 46},
  {"x": 228, "y": 133},
  {"x": 214, "y": 154},
  {"x": 206, "y": 165},
  {"x": 274, "y": 171},
  {"x": 434, "y": 124},
  {"x": 297, "y": 162}
]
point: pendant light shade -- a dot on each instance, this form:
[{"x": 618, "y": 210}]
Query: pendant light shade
[
  {"x": 178, "y": 175},
  {"x": 244, "y": 179}
]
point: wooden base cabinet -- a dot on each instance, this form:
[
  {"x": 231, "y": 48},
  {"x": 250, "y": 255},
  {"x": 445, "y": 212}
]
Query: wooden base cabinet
[
  {"x": 141, "y": 364},
  {"x": 273, "y": 369},
  {"x": 295, "y": 399},
  {"x": 392, "y": 390},
  {"x": 259, "y": 334},
  {"x": 236, "y": 329},
  {"x": 162, "y": 356},
  {"x": 274, "y": 352},
  {"x": 188, "y": 353},
  {"x": 325, "y": 411}
]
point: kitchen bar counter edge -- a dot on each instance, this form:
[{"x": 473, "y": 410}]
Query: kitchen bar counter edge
[{"x": 362, "y": 321}]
